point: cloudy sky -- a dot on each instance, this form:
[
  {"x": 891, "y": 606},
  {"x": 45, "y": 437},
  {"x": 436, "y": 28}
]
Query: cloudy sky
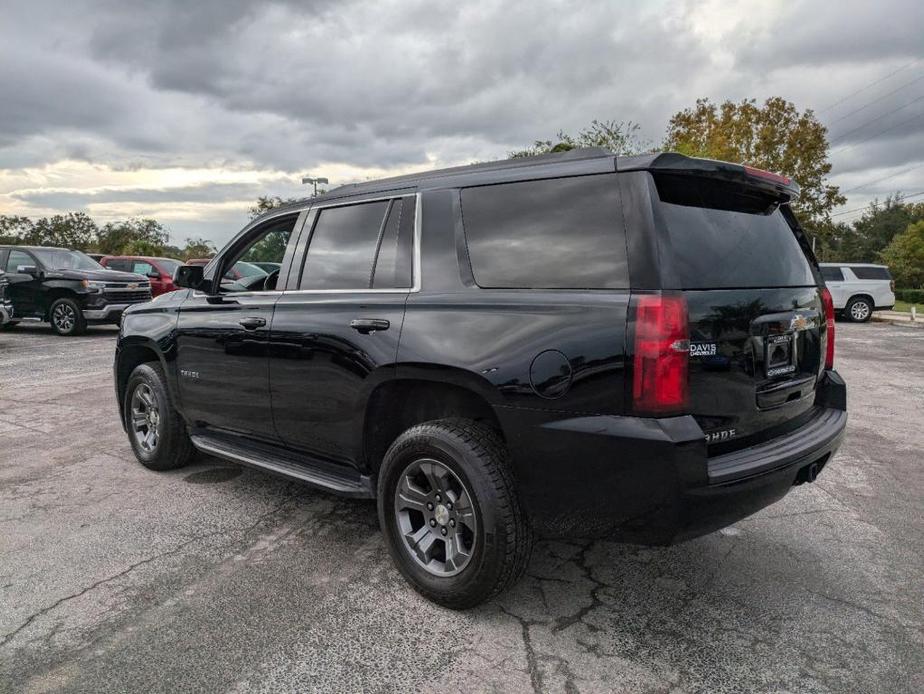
[{"x": 187, "y": 111}]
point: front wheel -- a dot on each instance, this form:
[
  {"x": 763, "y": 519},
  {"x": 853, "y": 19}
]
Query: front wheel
[
  {"x": 450, "y": 513},
  {"x": 67, "y": 318},
  {"x": 156, "y": 430},
  {"x": 859, "y": 310}
]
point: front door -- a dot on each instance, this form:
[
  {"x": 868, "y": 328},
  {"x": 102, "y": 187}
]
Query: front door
[
  {"x": 223, "y": 340},
  {"x": 25, "y": 289},
  {"x": 335, "y": 331}
]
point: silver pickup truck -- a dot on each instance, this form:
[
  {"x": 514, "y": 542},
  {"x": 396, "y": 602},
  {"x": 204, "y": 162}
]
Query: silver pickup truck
[{"x": 858, "y": 289}]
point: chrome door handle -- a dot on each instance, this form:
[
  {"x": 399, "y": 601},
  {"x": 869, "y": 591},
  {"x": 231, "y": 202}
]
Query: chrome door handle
[
  {"x": 252, "y": 323},
  {"x": 369, "y": 325}
]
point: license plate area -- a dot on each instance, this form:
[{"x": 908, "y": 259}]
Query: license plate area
[{"x": 780, "y": 355}]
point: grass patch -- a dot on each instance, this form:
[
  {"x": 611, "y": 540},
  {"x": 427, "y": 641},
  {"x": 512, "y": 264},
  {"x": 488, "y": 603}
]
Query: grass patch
[{"x": 906, "y": 307}]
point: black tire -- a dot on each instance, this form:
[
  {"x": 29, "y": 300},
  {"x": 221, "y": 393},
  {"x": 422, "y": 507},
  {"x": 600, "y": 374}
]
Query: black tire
[
  {"x": 502, "y": 541},
  {"x": 858, "y": 310},
  {"x": 66, "y": 317},
  {"x": 9, "y": 325},
  {"x": 171, "y": 447}
]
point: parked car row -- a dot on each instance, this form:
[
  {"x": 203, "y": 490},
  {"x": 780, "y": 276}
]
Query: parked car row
[{"x": 70, "y": 289}]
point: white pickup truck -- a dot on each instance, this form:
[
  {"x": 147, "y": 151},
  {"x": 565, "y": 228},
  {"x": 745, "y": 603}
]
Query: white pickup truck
[{"x": 858, "y": 289}]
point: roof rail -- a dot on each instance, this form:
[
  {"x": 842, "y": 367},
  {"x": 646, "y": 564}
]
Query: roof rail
[{"x": 576, "y": 154}]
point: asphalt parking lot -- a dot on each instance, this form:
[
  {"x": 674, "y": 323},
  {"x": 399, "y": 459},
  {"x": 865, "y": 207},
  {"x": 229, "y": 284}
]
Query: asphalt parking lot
[{"x": 217, "y": 578}]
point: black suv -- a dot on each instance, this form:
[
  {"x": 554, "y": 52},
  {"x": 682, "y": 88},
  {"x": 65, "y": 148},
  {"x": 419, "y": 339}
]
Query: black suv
[
  {"x": 65, "y": 288},
  {"x": 572, "y": 344}
]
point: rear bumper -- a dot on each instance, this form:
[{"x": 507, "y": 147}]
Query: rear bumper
[{"x": 651, "y": 480}]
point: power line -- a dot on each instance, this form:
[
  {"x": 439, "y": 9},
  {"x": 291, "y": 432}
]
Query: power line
[
  {"x": 844, "y": 148},
  {"x": 877, "y": 100},
  {"x": 866, "y": 207},
  {"x": 879, "y": 180},
  {"x": 877, "y": 118},
  {"x": 863, "y": 89}
]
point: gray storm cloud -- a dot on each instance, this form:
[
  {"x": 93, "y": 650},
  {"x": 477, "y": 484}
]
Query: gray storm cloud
[{"x": 288, "y": 86}]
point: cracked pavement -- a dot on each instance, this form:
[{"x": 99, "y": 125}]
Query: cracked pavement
[{"x": 218, "y": 578}]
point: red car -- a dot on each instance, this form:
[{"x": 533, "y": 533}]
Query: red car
[{"x": 158, "y": 270}]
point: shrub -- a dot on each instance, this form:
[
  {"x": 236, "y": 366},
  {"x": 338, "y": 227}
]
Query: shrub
[{"x": 912, "y": 296}]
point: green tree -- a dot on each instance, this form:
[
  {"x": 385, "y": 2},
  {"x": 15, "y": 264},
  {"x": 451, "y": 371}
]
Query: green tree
[
  {"x": 875, "y": 229},
  {"x": 72, "y": 230},
  {"x": 775, "y": 137},
  {"x": 265, "y": 203},
  {"x": 14, "y": 229},
  {"x": 905, "y": 257},
  {"x": 132, "y": 237},
  {"x": 617, "y": 136},
  {"x": 197, "y": 248}
]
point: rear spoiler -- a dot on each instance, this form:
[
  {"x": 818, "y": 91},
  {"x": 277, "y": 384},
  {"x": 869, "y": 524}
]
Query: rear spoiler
[{"x": 673, "y": 163}]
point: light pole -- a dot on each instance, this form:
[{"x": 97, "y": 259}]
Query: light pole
[{"x": 314, "y": 182}]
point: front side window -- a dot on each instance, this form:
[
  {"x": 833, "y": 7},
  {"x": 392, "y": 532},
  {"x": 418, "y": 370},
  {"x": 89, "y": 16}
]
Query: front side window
[
  {"x": 18, "y": 259},
  {"x": 362, "y": 246},
  {"x": 563, "y": 233},
  {"x": 143, "y": 267},
  {"x": 268, "y": 244}
]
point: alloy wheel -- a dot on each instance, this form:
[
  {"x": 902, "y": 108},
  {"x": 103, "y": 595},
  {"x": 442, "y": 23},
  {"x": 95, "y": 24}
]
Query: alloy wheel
[
  {"x": 145, "y": 417},
  {"x": 435, "y": 517},
  {"x": 64, "y": 317},
  {"x": 859, "y": 311}
]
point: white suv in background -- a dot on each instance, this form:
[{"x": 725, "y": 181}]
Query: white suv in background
[{"x": 858, "y": 289}]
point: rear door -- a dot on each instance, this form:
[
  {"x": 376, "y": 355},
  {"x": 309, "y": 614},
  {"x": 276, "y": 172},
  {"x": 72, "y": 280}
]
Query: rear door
[
  {"x": 756, "y": 319},
  {"x": 336, "y": 327},
  {"x": 837, "y": 285}
]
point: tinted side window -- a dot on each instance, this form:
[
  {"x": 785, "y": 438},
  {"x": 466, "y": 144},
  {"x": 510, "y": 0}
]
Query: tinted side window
[
  {"x": 342, "y": 248},
  {"x": 18, "y": 258},
  {"x": 120, "y": 265},
  {"x": 393, "y": 262},
  {"x": 871, "y": 273},
  {"x": 832, "y": 274},
  {"x": 563, "y": 233}
]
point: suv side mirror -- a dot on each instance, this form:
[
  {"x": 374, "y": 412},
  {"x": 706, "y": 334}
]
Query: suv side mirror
[
  {"x": 154, "y": 275},
  {"x": 29, "y": 270},
  {"x": 189, "y": 276}
]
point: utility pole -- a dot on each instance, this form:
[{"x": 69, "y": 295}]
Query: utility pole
[{"x": 314, "y": 182}]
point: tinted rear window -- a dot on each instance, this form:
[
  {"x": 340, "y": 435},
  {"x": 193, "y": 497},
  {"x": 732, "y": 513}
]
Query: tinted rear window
[
  {"x": 725, "y": 235},
  {"x": 871, "y": 273},
  {"x": 563, "y": 233},
  {"x": 832, "y": 274}
]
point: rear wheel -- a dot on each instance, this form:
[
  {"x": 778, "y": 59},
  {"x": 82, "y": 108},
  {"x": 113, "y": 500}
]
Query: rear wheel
[
  {"x": 859, "y": 309},
  {"x": 156, "y": 431},
  {"x": 66, "y": 317},
  {"x": 450, "y": 513}
]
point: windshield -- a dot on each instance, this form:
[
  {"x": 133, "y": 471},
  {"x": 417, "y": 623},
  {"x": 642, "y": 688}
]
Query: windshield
[{"x": 56, "y": 259}]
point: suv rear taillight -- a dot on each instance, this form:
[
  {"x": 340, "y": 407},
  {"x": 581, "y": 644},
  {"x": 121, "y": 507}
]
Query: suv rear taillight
[
  {"x": 828, "y": 304},
  {"x": 662, "y": 351}
]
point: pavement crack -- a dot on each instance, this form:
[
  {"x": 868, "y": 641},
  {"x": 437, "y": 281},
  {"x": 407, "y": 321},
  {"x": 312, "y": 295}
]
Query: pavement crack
[
  {"x": 532, "y": 660},
  {"x": 6, "y": 638},
  {"x": 562, "y": 623}
]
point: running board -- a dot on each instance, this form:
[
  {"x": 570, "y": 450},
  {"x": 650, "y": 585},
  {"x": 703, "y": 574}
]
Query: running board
[{"x": 346, "y": 482}]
